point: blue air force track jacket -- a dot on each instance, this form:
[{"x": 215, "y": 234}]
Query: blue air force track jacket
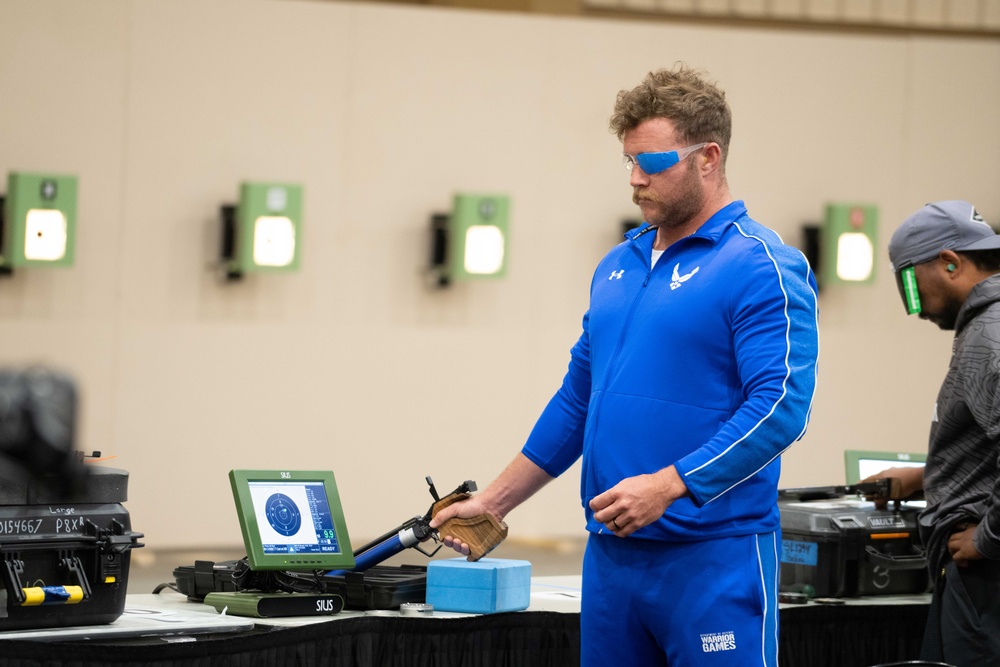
[{"x": 705, "y": 361}]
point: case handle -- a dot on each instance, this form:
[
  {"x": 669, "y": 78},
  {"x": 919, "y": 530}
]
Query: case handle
[{"x": 914, "y": 561}]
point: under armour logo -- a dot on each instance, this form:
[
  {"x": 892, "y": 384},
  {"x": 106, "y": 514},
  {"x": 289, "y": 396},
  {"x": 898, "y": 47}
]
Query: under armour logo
[
  {"x": 616, "y": 274},
  {"x": 677, "y": 278}
]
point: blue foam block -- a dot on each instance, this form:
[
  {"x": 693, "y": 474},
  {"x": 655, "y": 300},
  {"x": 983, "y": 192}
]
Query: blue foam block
[{"x": 485, "y": 586}]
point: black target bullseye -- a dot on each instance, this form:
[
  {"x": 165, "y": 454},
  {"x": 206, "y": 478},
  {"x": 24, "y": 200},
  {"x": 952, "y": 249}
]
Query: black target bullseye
[{"x": 283, "y": 514}]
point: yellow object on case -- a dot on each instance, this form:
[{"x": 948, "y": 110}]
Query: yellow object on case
[{"x": 39, "y": 595}]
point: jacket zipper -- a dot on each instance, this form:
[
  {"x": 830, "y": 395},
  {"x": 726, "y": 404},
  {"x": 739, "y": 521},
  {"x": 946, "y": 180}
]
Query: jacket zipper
[{"x": 613, "y": 361}]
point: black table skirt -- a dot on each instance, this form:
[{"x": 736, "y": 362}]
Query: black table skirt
[
  {"x": 850, "y": 636},
  {"x": 811, "y": 636}
]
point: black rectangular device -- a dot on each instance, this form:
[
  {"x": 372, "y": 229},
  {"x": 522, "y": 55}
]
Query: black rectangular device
[
  {"x": 291, "y": 520},
  {"x": 849, "y": 548},
  {"x": 64, "y": 561}
]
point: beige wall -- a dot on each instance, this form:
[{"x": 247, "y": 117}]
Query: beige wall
[{"x": 162, "y": 107}]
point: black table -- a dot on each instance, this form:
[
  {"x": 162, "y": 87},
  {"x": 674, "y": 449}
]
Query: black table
[{"x": 857, "y": 634}]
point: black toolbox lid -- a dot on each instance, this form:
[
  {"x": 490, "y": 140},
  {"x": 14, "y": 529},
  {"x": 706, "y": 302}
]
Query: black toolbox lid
[{"x": 100, "y": 486}]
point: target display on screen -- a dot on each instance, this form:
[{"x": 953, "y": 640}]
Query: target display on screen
[
  {"x": 283, "y": 514},
  {"x": 291, "y": 519}
]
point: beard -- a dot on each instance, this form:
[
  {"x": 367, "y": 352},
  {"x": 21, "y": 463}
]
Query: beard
[
  {"x": 947, "y": 318},
  {"x": 685, "y": 204}
]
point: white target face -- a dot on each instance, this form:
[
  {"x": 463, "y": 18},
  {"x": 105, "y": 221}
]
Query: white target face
[{"x": 283, "y": 514}]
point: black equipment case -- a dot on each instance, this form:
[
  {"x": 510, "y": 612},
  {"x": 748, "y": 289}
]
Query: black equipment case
[
  {"x": 65, "y": 561},
  {"x": 844, "y": 547},
  {"x": 379, "y": 587}
]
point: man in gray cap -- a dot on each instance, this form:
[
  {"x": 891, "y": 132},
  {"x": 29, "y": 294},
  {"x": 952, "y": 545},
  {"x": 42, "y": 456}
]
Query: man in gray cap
[{"x": 947, "y": 260}]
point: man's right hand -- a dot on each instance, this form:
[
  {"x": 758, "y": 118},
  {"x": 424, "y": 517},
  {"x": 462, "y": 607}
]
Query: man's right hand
[
  {"x": 904, "y": 483},
  {"x": 463, "y": 509},
  {"x": 519, "y": 481}
]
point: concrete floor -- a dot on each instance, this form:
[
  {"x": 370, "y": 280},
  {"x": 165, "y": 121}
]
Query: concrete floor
[{"x": 151, "y": 567}]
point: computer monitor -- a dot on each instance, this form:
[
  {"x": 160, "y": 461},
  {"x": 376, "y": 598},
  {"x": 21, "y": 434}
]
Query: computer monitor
[
  {"x": 291, "y": 520},
  {"x": 861, "y": 464}
]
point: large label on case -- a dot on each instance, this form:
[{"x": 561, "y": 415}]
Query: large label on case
[{"x": 43, "y": 520}]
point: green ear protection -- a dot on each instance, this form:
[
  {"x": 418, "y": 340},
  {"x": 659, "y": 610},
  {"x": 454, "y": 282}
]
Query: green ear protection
[{"x": 951, "y": 267}]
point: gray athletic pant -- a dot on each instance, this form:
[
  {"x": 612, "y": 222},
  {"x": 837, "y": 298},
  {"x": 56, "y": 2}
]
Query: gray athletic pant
[{"x": 963, "y": 623}]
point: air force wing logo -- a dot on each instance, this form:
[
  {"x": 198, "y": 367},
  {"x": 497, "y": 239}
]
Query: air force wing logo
[{"x": 677, "y": 279}]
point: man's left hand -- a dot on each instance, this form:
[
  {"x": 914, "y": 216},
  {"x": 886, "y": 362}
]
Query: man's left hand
[
  {"x": 962, "y": 547},
  {"x": 637, "y": 501}
]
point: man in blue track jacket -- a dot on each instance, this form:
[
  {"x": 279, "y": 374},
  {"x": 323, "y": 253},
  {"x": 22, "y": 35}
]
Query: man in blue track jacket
[{"x": 695, "y": 370}]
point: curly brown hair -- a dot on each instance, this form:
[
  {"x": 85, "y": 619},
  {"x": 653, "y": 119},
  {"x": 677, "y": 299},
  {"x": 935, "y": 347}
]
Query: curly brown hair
[{"x": 696, "y": 106}]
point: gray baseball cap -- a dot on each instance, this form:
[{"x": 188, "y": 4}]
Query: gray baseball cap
[{"x": 944, "y": 225}]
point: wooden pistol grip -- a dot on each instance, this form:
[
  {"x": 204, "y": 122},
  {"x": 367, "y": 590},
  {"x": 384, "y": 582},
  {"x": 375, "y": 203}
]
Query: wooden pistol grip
[
  {"x": 482, "y": 533},
  {"x": 448, "y": 500}
]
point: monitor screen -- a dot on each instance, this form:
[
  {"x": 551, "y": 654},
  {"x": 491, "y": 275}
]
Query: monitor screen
[
  {"x": 862, "y": 464},
  {"x": 291, "y": 520}
]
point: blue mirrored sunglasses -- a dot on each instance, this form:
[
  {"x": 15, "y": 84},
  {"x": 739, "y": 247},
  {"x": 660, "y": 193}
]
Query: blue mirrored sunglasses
[{"x": 654, "y": 163}]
